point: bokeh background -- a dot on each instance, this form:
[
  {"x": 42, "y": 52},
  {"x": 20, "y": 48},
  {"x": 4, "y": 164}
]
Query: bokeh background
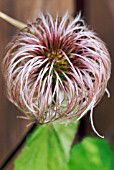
[{"x": 99, "y": 15}]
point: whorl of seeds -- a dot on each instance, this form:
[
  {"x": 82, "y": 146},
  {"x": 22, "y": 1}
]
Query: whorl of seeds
[{"x": 56, "y": 69}]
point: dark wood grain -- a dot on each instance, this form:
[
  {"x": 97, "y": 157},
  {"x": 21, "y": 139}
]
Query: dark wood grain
[
  {"x": 100, "y": 15},
  {"x": 11, "y": 128}
]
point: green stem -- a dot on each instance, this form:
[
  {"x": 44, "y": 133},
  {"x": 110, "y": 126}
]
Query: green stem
[{"x": 12, "y": 21}]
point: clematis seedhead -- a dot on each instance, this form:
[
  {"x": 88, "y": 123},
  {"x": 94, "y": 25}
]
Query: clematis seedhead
[{"x": 56, "y": 69}]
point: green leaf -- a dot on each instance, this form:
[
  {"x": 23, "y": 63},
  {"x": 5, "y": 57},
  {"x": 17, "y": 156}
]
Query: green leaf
[
  {"x": 66, "y": 134},
  {"x": 45, "y": 148},
  {"x": 91, "y": 154},
  {"x": 112, "y": 167}
]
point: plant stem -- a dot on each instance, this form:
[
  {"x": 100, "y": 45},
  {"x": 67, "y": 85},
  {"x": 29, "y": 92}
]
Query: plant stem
[{"x": 12, "y": 21}]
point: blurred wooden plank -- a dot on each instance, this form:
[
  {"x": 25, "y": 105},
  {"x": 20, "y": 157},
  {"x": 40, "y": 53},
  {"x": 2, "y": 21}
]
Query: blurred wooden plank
[
  {"x": 58, "y": 6},
  {"x": 11, "y": 165},
  {"x": 100, "y": 15},
  {"x": 12, "y": 129}
]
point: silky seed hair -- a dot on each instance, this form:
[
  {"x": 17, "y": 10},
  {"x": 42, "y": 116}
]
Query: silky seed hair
[{"x": 56, "y": 69}]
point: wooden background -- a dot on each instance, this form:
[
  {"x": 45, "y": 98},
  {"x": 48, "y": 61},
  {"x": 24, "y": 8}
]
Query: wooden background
[{"x": 100, "y": 15}]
